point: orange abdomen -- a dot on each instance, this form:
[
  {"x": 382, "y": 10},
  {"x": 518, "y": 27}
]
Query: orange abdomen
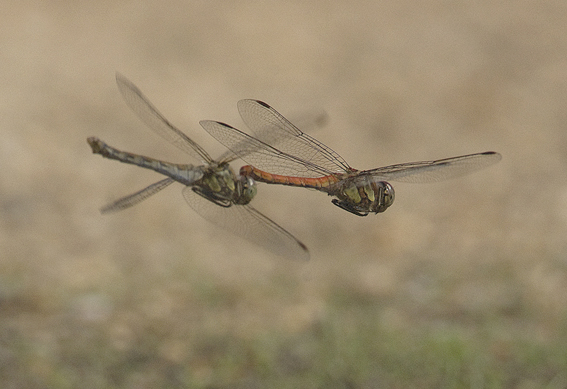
[{"x": 306, "y": 182}]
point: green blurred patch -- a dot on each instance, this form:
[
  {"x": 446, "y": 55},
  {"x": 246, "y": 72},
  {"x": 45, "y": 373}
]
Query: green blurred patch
[{"x": 207, "y": 342}]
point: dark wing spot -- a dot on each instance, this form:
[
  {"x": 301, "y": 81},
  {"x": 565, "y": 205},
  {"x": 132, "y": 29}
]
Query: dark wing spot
[
  {"x": 226, "y": 125},
  {"x": 262, "y": 103}
]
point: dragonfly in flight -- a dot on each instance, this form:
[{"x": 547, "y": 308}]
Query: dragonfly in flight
[
  {"x": 212, "y": 189},
  {"x": 290, "y": 157}
]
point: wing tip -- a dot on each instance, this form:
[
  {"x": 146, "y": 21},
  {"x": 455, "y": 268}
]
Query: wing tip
[
  {"x": 492, "y": 157},
  {"x": 204, "y": 123},
  {"x": 306, "y": 256}
]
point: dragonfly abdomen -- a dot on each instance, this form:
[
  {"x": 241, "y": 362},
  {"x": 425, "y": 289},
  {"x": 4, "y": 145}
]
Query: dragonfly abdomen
[
  {"x": 185, "y": 174},
  {"x": 320, "y": 183}
]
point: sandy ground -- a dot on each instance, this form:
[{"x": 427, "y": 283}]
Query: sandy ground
[{"x": 400, "y": 82}]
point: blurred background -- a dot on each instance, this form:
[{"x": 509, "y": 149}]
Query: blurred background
[{"x": 459, "y": 284}]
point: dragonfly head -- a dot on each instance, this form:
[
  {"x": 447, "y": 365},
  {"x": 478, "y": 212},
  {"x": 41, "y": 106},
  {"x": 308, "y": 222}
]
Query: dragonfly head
[{"x": 246, "y": 190}]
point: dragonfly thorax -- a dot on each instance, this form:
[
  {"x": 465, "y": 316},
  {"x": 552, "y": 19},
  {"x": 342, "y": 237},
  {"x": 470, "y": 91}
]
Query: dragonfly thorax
[
  {"x": 221, "y": 186},
  {"x": 362, "y": 196}
]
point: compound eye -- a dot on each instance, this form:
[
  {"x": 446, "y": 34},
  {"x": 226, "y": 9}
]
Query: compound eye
[
  {"x": 250, "y": 187},
  {"x": 389, "y": 193}
]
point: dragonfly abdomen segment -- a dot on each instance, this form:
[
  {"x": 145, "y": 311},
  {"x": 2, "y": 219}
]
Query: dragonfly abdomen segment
[
  {"x": 185, "y": 174},
  {"x": 320, "y": 183}
]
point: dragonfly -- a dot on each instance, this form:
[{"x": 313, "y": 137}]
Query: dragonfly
[
  {"x": 290, "y": 157},
  {"x": 212, "y": 189}
]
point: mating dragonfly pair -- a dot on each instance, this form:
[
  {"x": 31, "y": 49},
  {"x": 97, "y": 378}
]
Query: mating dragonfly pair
[{"x": 278, "y": 153}]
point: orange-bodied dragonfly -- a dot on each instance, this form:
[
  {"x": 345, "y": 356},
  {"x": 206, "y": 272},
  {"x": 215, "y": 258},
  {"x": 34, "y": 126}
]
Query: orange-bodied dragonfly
[
  {"x": 282, "y": 154},
  {"x": 213, "y": 190}
]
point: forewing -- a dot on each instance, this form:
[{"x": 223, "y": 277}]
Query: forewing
[
  {"x": 272, "y": 128},
  {"x": 135, "y": 198},
  {"x": 434, "y": 171},
  {"x": 307, "y": 120},
  {"x": 246, "y": 222},
  {"x": 155, "y": 120},
  {"x": 260, "y": 154}
]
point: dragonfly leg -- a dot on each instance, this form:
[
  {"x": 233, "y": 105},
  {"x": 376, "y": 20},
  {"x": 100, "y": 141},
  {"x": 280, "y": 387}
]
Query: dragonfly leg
[
  {"x": 212, "y": 197},
  {"x": 348, "y": 207}
]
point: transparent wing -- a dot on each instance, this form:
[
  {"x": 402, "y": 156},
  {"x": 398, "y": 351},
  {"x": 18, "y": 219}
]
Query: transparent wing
[
  {"x": 246, "y": 222},
  {"x": 434, "y": 171},
  {"x": 307, "y": 121},
  {"x": 260, "y": 154},
  {"x": 272, "y": 128},
  {"x": 155, "y": 120},
  {"x": 135, "y": 198},
  {"x": 287, "y": 140}
]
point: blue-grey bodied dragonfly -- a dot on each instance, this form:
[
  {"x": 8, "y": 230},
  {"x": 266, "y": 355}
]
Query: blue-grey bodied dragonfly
[{"x": 212, "y": 189}]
